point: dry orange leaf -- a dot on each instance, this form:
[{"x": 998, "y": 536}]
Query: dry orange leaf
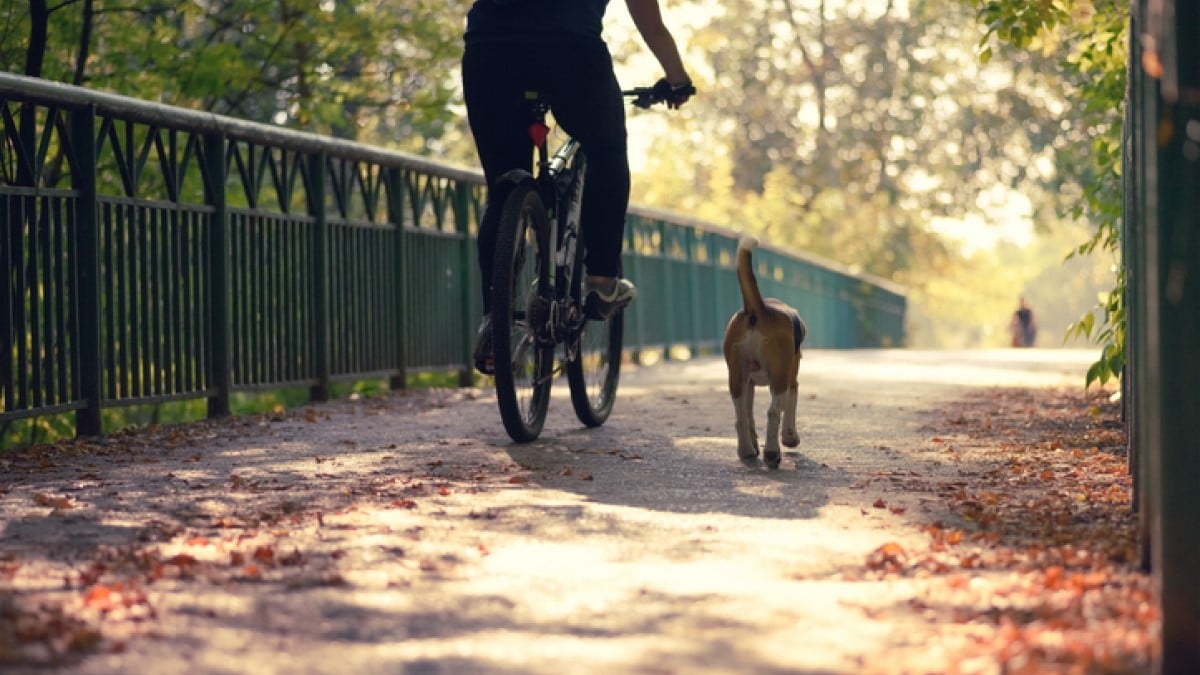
[
  {"x": 42, "y": 499},
  {"x": 182, "y": 560},
  {"x": 264, "y": 554}
]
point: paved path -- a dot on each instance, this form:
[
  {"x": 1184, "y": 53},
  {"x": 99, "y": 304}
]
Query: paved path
[{"x": 409, "y": 536}]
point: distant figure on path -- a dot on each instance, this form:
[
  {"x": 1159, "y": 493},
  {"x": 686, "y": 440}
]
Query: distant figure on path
[{"x": 1023, "y": 326}]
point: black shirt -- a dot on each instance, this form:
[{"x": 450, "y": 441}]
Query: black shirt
[{"x": 489, "y": 20}]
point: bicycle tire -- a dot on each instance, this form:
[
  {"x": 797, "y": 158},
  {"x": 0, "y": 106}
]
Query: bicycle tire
[
  {"x": 593, "y": 362},
  {"x": 595, "y": 370},
  {"x": 520, "y": 277}
]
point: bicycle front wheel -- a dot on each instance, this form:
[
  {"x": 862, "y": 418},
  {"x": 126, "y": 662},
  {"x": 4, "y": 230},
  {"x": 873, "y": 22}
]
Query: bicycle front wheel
[
  {"x": 521, "y": 278},
  {"x": 593, "y": 373}
]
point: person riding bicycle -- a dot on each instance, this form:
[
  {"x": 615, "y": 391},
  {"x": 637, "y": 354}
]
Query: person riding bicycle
[{"x": 555, "y": 48}]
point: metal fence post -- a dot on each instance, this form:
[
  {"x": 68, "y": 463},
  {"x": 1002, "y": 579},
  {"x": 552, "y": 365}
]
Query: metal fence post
[
  {"x": 691, "y": 242},
  {"x": 395, "y": 203},
  {"x": 315, "y": 191},
  {"x": 87, "y": 272},
  {"x": 462, "y": 224},
  {"x": 220, "y": 372}
]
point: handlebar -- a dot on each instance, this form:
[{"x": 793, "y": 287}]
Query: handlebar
[{"x": 644, "y": 97}]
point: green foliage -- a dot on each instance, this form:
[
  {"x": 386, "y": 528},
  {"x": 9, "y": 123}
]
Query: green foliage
[
  {"x": 381, "y": 70},
  {"x": 1093, "y": 39},
  {"x": 849, "y": 129}
]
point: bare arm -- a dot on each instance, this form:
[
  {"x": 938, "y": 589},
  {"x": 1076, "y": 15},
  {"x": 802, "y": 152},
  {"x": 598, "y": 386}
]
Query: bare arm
[{"x": 648, "y": 19}]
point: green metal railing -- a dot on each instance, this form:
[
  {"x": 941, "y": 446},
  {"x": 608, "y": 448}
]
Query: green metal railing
[{"x": 153, "y": 254}]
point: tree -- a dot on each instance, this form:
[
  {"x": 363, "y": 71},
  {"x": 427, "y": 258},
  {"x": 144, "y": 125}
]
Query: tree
[
  {"x": 376, "y": 69},
  {"x": 847, "y": 130},
  {"x": 1091, "y": 40}
]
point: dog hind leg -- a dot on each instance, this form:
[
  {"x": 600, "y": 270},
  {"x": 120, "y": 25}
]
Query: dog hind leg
[
  {"x": 789, "y": 436},
  {"x": 771, "y": 452},
  {"x": 743, "y": 406}
]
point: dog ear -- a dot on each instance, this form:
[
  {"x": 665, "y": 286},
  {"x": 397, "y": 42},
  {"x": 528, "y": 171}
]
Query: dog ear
[{"x": 799, "y": 330}]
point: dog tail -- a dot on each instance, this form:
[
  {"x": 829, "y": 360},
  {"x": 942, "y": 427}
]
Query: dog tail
[{"x": 752, "y": 300}]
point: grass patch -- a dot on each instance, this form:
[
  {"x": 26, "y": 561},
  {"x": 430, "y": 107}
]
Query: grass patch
[{"x": 52, "y": 428}]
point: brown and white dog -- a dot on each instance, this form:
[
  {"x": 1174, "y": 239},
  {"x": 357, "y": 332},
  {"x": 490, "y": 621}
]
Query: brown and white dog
[{"x": 762, "y": 346}]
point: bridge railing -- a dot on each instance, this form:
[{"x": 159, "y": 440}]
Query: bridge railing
[{"x": 153, "y": 254}]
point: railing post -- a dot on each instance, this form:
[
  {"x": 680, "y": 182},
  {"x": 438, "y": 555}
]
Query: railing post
[
  {"x": 395, "y": 191},
  {"x": 220, "y": 371},
  {"x": 1172, "y": 288},
  {"x": 671, "y": 329},
  {"x": 691, "y": 241},
  {"x": 87, "y": 271},
  {"x": 462, "y": 223},
  {"x": 315, "y": 191},
  {"x": 1132, "y": 206},
  {"x": 632, "y": 228}
]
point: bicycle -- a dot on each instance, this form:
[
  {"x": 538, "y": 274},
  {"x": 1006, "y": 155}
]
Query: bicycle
[{"x": 537, "y": 290}]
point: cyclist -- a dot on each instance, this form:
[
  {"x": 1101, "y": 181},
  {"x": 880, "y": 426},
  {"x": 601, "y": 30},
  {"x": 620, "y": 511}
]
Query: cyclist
[{"x": 554, "y": 47}]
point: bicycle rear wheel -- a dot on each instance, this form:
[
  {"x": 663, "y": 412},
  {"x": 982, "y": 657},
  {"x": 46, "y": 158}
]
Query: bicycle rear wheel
[
  {"x": 596, "y": 368},
  {"x": 521, "y": 276}
]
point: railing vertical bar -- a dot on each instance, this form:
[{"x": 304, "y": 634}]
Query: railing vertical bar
[
  {"x": 179, "y": 302},
  {"x": 358, "y": 320},
  {"x": 146, "y": 299},
  {"x": 300, "y": 302},
  {"x": 194, "y": 324},
  {"x": 271, "y": 358},
  {"x": 35, "y": 291},
  {"x": 20, "y": 313},
  {"x": 8, "y": 324},
  {"x": 238, "y": 300},
  {"x": 158, "y": 298},
  {"x": 63, "y": 262},
  {"x": 320, "y": 279},
  {"x": 86, "y": 272},
  {"x": 261, "y": 275},
  {"x": 219, "y": 375},
  {"x": 108, "y": 317},
  {"x": 54, "y": 291},
  {"x": 165, "y": 303},
  {"x": 290, "y": 261},
  {"x": 396, "y": 206},
  {"x": 128, "y": 228},
  {"x": 462, "y": 225}
]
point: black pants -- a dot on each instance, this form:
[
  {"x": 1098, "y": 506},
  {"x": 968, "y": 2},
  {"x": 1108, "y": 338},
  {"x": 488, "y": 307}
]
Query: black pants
[{"x": 578, "y": 81}]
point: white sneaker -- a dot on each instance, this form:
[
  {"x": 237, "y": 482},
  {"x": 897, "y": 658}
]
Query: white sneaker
[{"x": 603, "y": 301}]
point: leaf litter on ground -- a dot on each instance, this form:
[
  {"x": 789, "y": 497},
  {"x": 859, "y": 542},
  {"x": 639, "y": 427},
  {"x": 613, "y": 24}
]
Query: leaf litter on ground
[{"x": 1035, "y": 568}]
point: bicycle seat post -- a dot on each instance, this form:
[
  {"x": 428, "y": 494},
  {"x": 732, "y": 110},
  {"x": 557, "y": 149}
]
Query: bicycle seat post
[{"x": 538, "y": 130}]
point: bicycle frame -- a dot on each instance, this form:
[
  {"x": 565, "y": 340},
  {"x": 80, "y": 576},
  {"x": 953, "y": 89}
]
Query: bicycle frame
[
  {"x": 560, "y": 183},
  {"x": 537, "y": 291}
]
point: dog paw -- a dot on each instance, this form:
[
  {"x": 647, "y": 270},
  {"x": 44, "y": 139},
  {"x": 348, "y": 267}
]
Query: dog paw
[{"x": 790, "y": 438}]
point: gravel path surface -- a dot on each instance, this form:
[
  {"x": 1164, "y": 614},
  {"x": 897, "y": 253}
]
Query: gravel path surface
[{"x": 407, "y": 535}]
